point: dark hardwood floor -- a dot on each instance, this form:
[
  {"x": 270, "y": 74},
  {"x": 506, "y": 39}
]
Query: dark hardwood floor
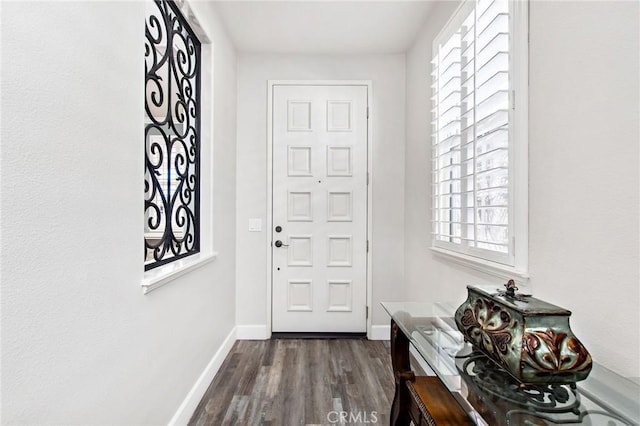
[{"x": 300, "y": 382}]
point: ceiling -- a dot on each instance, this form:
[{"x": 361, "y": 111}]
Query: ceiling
[{"x": 323, "y": 27}]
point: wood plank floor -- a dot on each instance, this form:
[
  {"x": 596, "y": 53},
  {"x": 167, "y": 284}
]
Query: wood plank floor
[{"x": 300, "y": 382}]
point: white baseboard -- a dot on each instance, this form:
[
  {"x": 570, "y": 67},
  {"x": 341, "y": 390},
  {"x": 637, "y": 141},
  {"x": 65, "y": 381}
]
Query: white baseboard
[
  {"x": 252, "y": 332},
  {"x": 190, "y": 403},
  {"x": 380, "y": 332}
]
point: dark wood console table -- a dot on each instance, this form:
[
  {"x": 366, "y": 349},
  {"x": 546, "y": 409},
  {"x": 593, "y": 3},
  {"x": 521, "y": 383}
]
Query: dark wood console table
[
  {"x": 423, "y": 399},
  {"x": 466, "y": 388}
]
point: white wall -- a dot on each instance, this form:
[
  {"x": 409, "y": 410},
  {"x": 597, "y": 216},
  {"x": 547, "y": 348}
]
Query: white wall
[
  {"x": 81, "y": 344},
  {"x": 584, "y": 181},
  {"x": 583, "y": 174},
  {"x": 387, "y": 73},
  {"x": 425, "y": 278}
]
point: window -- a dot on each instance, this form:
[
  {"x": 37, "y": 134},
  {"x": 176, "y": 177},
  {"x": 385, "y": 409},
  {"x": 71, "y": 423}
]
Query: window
[
  {"x": 479, "y": 139},
  {"x": 172, "y": 136}
]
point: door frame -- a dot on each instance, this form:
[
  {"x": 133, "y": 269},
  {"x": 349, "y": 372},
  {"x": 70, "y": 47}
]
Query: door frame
[{"x": 269, "y": 226}]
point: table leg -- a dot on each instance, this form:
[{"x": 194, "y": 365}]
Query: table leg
[{"x": 401, "y": 372}]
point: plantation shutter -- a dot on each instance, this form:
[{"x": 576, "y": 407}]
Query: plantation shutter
[{"x": 471, "y": 128}]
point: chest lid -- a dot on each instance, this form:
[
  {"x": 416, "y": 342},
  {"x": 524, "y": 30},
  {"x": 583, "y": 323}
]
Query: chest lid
[{"x": 525, "y": 304}]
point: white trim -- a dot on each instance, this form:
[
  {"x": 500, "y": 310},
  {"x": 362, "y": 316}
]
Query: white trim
[
  {"x": 455, "y": 20},
  {"x": 269, "y": 244},
  {"x": 190, "y": 16},
  {"x": 370, "y": 307},
  {"x": 482, "y": 265},
  {"x": 520, "y": 154},
  {"x": 270, "y": 86},
  {"x": 191, "y": 401},
  {"x": 157, "y": 277},
  {"x": 380, "y": 332},
  {"x": 272, "y": 83},
  {"x": 252, "y": 332}
]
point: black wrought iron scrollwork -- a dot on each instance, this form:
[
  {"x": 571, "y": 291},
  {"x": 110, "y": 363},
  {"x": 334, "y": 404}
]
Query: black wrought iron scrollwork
[
  {"x": 503, "y": 400},
  {"x": 172, "y": 136}
]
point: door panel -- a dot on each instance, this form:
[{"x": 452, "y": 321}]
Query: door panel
[{"x": 320, "y": 201}]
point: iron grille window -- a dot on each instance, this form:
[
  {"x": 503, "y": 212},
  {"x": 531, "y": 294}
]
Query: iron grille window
[
  {"x": 473, "y": 132},
  {"x": 172, "y": 136}
]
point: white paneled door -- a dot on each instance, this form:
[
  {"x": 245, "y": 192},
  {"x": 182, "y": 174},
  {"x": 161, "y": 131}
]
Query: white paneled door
[{"x": 319, "y": 208}]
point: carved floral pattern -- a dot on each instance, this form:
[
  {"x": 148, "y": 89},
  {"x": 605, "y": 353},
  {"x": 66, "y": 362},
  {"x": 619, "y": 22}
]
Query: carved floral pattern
[
  {"x": 553, "y": 352},
  {"x": 488, "y": 326}
]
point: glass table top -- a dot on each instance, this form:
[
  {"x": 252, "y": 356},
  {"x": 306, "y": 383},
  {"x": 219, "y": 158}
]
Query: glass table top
[{"x": 492, "y": 397}]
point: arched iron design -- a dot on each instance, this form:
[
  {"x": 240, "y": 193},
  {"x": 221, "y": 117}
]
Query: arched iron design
[{"x": 172, "y": 136}]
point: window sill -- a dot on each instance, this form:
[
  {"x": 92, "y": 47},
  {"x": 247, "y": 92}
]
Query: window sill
[
  {"x": 164, "y": 274},
  {"x": 486, "y": 266}
]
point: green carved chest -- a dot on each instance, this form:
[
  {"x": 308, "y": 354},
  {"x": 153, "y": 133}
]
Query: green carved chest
[{"x": 528, "y": 337}]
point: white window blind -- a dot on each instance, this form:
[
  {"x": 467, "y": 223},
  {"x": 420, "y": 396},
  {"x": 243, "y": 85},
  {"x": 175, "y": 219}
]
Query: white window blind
[{"x": 472, "y": 123}]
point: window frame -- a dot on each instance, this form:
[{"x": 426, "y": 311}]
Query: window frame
[
  {"x": 168, "y": 133},
  {"x": 515, "y": 263},
  {"x": 158, "y": 277}
]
